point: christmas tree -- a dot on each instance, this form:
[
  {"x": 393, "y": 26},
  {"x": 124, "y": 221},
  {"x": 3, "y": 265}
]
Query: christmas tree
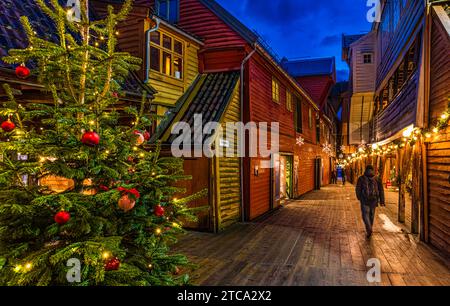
[{"x": 117, "y": 216}]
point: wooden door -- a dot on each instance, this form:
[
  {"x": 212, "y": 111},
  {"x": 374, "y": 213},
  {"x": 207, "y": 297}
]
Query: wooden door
[
  {"x": 318, "y": 174},
  {"x": 199, "y": 169}
]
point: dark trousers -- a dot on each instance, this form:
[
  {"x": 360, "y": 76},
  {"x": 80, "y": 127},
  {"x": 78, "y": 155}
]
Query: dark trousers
[{"x": 368, "y": 215}]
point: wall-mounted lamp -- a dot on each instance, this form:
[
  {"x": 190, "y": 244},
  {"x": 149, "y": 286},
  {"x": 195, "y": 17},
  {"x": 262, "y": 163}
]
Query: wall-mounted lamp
[{"x": 256, "y": 171}]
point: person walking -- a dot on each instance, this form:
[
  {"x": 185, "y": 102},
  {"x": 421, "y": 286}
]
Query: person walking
[
  {"x": 333, "y": 177},
  {"x": 344, "y": 177},
  {"x": 370, "y": 193}
]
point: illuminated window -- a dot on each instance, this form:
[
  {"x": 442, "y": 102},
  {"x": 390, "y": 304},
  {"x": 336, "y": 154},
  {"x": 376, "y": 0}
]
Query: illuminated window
[
  {"x": 166, "y": 55},
  {"x": 310, "y": 119},
  {"x": 275, "y": 90},
  {"x": 289, "y": 101},
  {"x": 167, "y": 63}
]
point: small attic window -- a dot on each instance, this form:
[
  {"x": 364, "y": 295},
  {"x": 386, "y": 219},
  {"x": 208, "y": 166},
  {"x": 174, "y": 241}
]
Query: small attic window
[
  {"x": 168, "y": 9},
  {"x": 367, "y": 58}
]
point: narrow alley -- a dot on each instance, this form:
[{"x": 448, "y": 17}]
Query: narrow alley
[{"x": 317, "y": 240}]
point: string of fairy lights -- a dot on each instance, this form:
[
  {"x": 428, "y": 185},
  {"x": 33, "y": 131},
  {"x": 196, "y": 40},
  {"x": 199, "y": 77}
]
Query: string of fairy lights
[
  {"x": 410, "y": 136},
  {"x": 107, "y": 256}
]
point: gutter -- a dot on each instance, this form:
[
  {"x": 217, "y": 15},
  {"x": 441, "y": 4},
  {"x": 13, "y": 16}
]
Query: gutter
[
  {"x": 244, "y": 61},
  {"x": 147, "y": 49}
]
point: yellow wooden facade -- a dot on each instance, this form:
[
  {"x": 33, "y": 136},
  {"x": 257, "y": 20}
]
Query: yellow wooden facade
[
  {"x": 228, "y": 171},
  {"x": 171, "y": 87}
]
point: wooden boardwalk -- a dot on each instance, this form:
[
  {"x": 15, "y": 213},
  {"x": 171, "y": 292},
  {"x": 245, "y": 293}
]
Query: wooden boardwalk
[{"x": 318, "y": 240}]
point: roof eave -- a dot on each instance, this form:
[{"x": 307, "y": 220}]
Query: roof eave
[{"x": 179, "y": 31}]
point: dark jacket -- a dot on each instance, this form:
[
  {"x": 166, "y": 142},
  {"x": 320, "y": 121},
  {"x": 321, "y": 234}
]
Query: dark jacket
[{"x": 359, "y": 192}]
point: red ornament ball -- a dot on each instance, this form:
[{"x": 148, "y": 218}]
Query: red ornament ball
[
  {"x": 90, "y": 139},
  {"x": 62, "y": 217},
  {"x": 140, "y": 139},
  {"x": 22, "y": 72},
  {"x": 146, "y": 135},
  {"x": 113, "y": 264},
  {"x": 159, "y": 211},
  {"x": 8, "y": 126},
  {"x": 126, "y": 203},
  {"x": 104, "y": 188}
]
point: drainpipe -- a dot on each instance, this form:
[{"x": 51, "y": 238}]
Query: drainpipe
[
  {"x": 246, "y": 59},
  {"x": 147, "y": 49}
]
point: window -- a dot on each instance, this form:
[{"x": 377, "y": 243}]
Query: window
[
  {"x": 400, "y": 76},
  {"x": 367, "y": 58},
  {"x": 166, "y": 55},
  {"x": 310, "y": 120},
  {"x": 298, "y": 116},
  {"x": 168, "y": 9},
  {"x": 289, "y": 101},
  {"x": 318, "y": 131},
  {"x": 275, "y": 90}
]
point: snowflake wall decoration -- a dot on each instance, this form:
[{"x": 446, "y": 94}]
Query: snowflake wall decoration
[
  {"x": 327, "y": 148},
  {"x": 300, "y": 141}
]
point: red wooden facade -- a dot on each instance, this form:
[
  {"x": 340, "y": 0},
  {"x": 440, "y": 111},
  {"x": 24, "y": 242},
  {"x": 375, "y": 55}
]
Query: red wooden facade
[
  {"x": 318, "y": 87},
  {"x": 226, "y": 43}
]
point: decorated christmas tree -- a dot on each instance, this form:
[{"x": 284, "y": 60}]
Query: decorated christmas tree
[{"x": 114, "y": 220}]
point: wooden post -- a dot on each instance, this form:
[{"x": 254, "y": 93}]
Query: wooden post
[
  {"x": 405, "y": 164},
  {"x": 401, "y": 186},
  {"x": 424, "y": 212},
  {"x": 417, "y": 177},
  {"x": 215, "y": 194}
]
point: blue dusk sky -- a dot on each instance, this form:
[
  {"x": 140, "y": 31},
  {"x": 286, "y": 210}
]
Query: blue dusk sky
[{"x": 303, "y": 28}]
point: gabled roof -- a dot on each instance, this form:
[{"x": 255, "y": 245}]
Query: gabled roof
[
  {"x": 310, "y": 67},
  {"x": 209, "y": 95},
  {"x": 347, "y": 40},
  {"x": 12, "y": 36}
]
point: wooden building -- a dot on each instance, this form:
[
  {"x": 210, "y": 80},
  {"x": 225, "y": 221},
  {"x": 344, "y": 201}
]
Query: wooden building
[
  {"x": 361, "y": 60},
  {"x": 437, "y": 167},
  {"x": 411, "y": 94},
  {"x": 318, "y": 77},
  {"x": 261, "y": 91}
]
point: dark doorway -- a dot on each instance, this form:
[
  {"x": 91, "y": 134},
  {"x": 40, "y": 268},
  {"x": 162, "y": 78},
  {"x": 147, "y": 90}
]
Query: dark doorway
[{"x": 318, "y": 173}]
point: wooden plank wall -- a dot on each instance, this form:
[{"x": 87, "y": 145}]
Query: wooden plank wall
[
  {"x": 223, "y": 59},
  {"x": 196, "y": 18},
  {"x": 410, "y": 18},
  {"x": 318, "y": 87},
  {"x": 131, "y": 31},
  {"x": 229, "y": 172},
  {"x": 401, "y": 112},
  {"x": 438, "y": 153},
  {"x": 363, "y": 74},
  {"x": 361, "y": 111}
]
